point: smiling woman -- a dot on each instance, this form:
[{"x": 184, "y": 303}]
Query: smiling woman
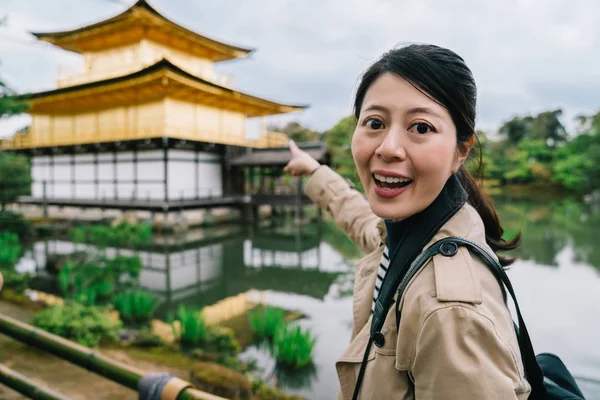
[{"x": 415, "y": 128}]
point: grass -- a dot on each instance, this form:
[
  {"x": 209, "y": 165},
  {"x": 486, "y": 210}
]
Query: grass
[
  {"x": 266, "y": 322},
  {"x": 135, "y": 306},
  {"x": 193, "y": 328},
  {"x": 292, "y": 346}
]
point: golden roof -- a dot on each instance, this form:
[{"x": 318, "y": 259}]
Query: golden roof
[
  {"x": 156, "y": 81},
  {"x": 137, "y": 22}
]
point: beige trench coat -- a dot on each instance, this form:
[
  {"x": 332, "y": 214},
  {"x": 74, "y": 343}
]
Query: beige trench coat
[{"x": 456, "y": 338}]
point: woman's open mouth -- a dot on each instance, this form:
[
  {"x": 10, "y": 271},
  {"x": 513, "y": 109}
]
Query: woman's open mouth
[{"x": 390, "y": 186}]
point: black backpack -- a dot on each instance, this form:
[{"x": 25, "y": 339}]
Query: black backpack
[{"x": 548, "y": 376}]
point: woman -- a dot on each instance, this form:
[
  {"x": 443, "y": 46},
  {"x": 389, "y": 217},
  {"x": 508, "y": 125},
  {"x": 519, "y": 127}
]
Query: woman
[{"x": 415, "y": 112}]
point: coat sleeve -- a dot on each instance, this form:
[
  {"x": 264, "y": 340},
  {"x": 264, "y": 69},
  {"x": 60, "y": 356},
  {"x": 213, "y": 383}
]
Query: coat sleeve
[
  {"x": 349, "y": 208},
  {"x": 459, "y": 355}
]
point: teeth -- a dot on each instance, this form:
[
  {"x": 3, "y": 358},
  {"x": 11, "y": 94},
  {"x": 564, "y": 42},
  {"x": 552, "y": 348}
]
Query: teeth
[{"x": 390, "y": 179}]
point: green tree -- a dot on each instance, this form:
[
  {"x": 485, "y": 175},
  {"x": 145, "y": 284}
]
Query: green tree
[
  {"x": 15, "y": 177},
  {"x": 577, "y": 164},
  {"x": 297, "y": 132},
  {"x": 516, "y": 129},
  {"x": 15, "y": 171},
  {"x": 338, "y": 140},
  {"x": 10, "y": 104},
  {"x": 546, "y": 126}
]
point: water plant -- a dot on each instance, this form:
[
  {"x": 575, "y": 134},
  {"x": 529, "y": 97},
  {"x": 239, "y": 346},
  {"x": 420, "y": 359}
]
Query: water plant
[
  {"x": 265, "y": 322},
  {"x": 192, "y": 327},
  {"x": 135, "y": 306},
  {"x": 292, "y": 346}
]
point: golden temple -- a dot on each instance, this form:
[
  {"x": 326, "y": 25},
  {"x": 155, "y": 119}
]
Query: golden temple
[{"x": 144, "y": 77}]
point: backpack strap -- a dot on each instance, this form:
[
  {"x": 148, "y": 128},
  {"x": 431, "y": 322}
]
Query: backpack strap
[{"x": 449, "y": 247}]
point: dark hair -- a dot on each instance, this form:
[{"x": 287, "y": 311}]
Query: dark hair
[{"x": 443, "y": 76}]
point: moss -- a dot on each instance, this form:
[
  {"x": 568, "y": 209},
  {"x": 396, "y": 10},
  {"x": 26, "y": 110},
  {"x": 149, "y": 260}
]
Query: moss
[
  {"x": 264, "y": 392},
  {"x": 163, "y": 355},
  {"x": 220, "y": 381}
]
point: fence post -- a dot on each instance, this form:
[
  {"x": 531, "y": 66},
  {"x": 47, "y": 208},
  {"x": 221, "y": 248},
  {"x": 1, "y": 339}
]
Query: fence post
[{"x": 44, "y": 200}]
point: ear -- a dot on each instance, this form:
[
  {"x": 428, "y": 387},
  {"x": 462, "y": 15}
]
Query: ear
[{"x": 462, "y": 153}]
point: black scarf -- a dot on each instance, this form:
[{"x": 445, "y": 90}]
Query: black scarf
[{"x": 418, "y": 230}]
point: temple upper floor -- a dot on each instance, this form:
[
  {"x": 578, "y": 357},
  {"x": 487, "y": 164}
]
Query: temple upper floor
[{"x": 127, "y": 59}]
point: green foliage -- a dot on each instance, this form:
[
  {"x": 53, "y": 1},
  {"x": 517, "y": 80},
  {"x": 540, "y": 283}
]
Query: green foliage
[
  {"x": 135, "y": 306},
  {"x": 266, "y": 321},
  {"x": 9, "y": 103},
  {"x": 338, "y": 140},
  {"x": 222, "y": 340},
  {"x": 577, "y": 165},
  {"x": 220, "y": 381},
  {"x": 146, "y": 338},
  {"x": 10, "y": 250},
  {"x": 15, "y": 281},
  {"x": 96, "y": 279},
  {"x": 192, "y": 328},
  {"x": 86, "y": 325},
  {"x": 297, "y": 132},
  {"x": 292, "y": 346},
  {"x": 15, "y": 176},
  {"x": 14, "y": 222},
  {"x": 120, "y": 235}
]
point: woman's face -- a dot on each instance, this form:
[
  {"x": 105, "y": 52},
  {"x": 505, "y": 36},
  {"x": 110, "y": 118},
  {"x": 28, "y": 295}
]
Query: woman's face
[{"x": 404, "y": 147}]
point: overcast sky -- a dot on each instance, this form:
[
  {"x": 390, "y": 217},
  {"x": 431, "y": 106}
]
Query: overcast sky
[{"x": 527, "y": 56}]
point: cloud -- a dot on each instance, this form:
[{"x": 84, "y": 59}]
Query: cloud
[{"x": 526, "y": 55}]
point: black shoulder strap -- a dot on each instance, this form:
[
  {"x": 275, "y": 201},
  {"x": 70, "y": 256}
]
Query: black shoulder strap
[{"x": 449, "y": 247}]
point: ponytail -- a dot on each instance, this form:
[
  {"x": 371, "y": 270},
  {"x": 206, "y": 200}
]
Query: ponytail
[{"x": 485, "y": 207}]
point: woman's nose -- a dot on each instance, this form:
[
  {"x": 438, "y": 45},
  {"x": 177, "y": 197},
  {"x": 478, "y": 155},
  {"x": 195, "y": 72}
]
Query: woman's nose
[{"x": 392, "y": 147}]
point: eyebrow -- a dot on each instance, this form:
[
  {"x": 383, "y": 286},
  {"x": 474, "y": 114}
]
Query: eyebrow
[
  {"x": 413, "y": 110},
  {"x": 376, "y": 107},
  {"x": 423, "y": 110}
]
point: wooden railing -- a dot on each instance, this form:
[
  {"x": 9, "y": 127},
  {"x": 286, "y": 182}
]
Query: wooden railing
[{"x": 28, "y": 141}]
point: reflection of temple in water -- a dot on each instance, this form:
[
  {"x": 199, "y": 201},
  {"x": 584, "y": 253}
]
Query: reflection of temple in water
[{"x": 205, "y": 266}]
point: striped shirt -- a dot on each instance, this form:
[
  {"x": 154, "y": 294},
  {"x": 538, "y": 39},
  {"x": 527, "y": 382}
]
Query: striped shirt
[{"x": 383, "y": 268}]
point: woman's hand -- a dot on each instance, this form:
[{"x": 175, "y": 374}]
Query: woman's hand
[
  {"x": 301, "y": 163},
  {"x": 1, "y": 281}
]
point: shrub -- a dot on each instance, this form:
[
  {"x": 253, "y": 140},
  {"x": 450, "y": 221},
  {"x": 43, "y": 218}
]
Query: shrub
[
  {"x": 14, "y": 222},
  {"x": 15, "y": 281},
  {"x": 122, "y": 234},
  {"x": 220, "y": 381},
  {"x": 86, "y": 325},
  {"x": 265, "y": 322},
  {"x": 88, "y": 282},
  {"x": 293, "y": 346},
  {"x": 264, "y": 392},
  {"x": 146, "y": 339},
  {"x": 135, "y": 306},
  {"x": 10, "y": 249},
  {"x": 222, "y": 340},
  {"x": 192, "y": 329}
]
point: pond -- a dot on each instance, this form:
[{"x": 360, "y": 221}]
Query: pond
[{"x": 557, "y": 279}]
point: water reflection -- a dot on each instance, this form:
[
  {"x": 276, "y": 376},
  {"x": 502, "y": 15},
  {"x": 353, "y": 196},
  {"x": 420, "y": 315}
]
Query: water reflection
[
  {"x": 207, "y": 265},
  {"x": 547, "y": 228}
]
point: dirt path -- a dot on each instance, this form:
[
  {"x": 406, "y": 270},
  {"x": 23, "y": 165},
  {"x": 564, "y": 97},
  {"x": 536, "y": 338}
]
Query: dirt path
[{"x": 62, "y": 376}]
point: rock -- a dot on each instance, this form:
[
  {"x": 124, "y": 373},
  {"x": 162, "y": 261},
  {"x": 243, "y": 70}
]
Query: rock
[
  {"x": 164, "y": 331},
  {"x": 221, "y": 381}
]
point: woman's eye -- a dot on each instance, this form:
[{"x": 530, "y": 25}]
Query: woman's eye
[
  {"x": 421, "y": 128},
  {"x": 374, "y": 124}
]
